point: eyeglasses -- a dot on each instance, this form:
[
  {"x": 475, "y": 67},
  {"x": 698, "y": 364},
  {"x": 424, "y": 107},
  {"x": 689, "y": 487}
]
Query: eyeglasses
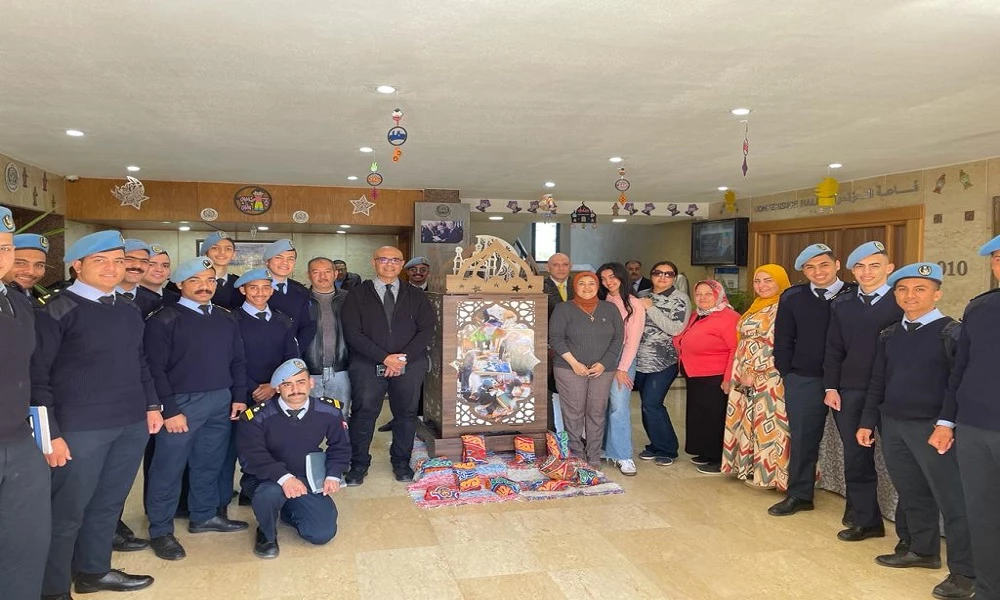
[
  {"x": 658, "y": 273},
  {"x": 386, "y": 260}
]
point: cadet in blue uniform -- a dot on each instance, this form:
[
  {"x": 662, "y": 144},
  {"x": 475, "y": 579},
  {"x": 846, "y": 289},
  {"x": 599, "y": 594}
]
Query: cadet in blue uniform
[
  {"x": 90, "y": 371},
  {"x": 30, "y": 252},
  {"x": 221, "y": 250},
  {"x": 290, "y": 296},
  {"x": 197, "y": 360},
  {"x": 25, "y": 509},
  {"x": 909, "y": 377},
  {"x": 799, "y": 350},
  {"x": 156, "y": 283},
  {"x": 137, "y": 253},
  {"x": 855, "y": 322},
  {"x": 274, "y": 440},
  {"x": 268, "y": 340},
  {"x": 971, "y": 413}
]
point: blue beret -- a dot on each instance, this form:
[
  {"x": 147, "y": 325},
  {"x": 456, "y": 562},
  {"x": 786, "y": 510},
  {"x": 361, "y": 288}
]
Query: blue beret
[
  {"x": 31, "y": 241},
  {"x": 213, "y": 238},
  {"x": 864, "y": 251},
  {"x": 253, "y": 275},
  {"x": 102, "y": 241},
  {"x": 287, "y": 369},
  {"x": 156, "y": 250},
  {"x": 132, "y": 244},
  {"x": 920, "y": 270},
  {"x": 416, "y": 260},
  {"x": 190, "y": 268},
  {"x": 6, "y": 220},
  {"x": 275, "y": 248},
  {"x": 988, "y": 248},
  {"x": 811, "y": 252}
]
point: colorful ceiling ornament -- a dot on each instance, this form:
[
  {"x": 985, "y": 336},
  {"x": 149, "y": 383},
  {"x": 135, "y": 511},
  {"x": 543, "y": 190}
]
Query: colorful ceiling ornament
[{"x": 397, "y": 135}]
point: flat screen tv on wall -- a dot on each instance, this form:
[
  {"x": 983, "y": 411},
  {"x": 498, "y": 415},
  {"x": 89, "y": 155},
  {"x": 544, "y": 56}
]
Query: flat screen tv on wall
[{"x": 719, "y": 242}]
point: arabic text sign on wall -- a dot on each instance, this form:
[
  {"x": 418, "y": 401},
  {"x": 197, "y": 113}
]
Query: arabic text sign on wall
[{"x": 841, "y": 198}]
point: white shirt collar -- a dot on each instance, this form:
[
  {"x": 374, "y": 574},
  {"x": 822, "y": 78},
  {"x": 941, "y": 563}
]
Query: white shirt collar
[{"x": 285, "y": 408}]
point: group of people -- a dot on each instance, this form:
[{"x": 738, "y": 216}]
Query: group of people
[
  {"x": 183, "y": 369},
  {"x": 877, "y": 353}
]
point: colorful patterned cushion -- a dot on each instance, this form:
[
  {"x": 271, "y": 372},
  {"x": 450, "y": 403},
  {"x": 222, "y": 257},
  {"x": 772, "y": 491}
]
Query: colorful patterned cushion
[
  {"x": 557, "y": 444},
  {"x": 524, "y": 450},
  {"x": 431, "y": 465},
  {"x": 474, "y": 448},
  {"x": 441, "y": 492},
  {"x": 552, "y": 486},
  {"x": 585, "y": 476},
  {"x": 468, "y": 478},
  {"x": 557, "y": 468},
  {"x": 502, "y": 486}
]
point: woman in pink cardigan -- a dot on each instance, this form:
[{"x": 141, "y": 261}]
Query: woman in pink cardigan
[
  {"x": 615, "y": 288},
  {"x": 706, "y": 350}
]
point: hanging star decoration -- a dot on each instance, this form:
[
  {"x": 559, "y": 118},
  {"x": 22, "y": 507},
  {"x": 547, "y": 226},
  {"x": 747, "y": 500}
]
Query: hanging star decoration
[
  {"x": 362, "y": 206},
  {"x": 131, "y": 194}
]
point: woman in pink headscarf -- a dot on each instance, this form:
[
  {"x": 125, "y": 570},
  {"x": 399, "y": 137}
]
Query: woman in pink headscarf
[{"x": 706, "y": 349}]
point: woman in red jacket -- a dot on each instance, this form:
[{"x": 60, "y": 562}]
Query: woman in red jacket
[{"x": 706, "y": 349}]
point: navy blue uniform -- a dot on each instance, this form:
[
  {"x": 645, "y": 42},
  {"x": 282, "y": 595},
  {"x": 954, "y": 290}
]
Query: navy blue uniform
[
  {"x": 226, "y": 294},
  {"x": 294, "y": 302},
  {"x": 273, "y": 446}
]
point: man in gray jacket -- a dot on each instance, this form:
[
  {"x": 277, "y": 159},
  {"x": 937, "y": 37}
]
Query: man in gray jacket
[{"x": 326, "y": 354}]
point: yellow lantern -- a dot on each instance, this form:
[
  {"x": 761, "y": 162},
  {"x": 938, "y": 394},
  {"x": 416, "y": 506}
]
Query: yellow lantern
[
  {"x": 730, "y": 198},
  {"x": 826, "y": 192}
]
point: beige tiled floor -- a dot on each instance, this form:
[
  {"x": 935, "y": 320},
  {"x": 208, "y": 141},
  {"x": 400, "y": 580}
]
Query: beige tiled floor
[{"x": 674, "y": 534}]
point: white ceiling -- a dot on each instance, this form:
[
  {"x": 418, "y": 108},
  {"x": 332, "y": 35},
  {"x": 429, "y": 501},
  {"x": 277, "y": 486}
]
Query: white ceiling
[{"x": 501, "y": 96}]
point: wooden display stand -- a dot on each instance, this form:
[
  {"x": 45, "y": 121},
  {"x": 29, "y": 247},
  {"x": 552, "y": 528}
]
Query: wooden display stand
[{"x": 488, "y": 355}]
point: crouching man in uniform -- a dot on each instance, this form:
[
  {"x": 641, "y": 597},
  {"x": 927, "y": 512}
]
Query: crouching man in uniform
[{"x": 274, "y": 439}]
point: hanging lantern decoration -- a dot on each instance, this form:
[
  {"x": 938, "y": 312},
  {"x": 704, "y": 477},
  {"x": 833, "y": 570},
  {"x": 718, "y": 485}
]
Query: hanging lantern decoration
[
  {"x": 730, "y": 202},
  {"x": 630, "y": 208},
  {"x": 397, "y": 135},
  {"x": 826, "y": 193},
  {"x": 374, "y": 179},
  {"x": 673, "y": 210},
  {"x": 614, "y": 209},
  {"x": 547, "y": 205},
  {"x": 514, "y": 206},
  {"x": 584, "y": 216},
  {"x": 746, "y": 146},
  {"x": 622, "y": 185},
  {"x": 648, "y": 209}
]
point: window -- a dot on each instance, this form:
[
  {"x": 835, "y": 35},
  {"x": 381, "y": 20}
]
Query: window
[{"x": 544, "y": 240}]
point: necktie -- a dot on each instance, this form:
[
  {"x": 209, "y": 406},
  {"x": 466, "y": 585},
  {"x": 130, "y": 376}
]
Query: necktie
[
  {"x": 389, "y": 304},
  {"x": 293, "y": 413},
  {"x": 129, "y": 295},
  {"x": 220, "y": 281},
  {"x": 205, "y": 308},
  {"x": 106, "y": 299},
  {"x": 281, "y": 287},
  {"x": 5, "y": 307},
  {"x": 869, "y": 298},
  {"x": 912, "y": 325},
  {"x": 820, "y": 293},
  {"x": 562, "y": 290},
  {"x": 262, "y": 316}
]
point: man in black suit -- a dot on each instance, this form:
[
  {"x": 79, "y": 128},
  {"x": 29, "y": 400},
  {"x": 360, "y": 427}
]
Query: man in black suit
[
  {"x": 558, "y": 287},
  {"x": 345, "y": 279},
  {"x": 388, "y": 326},
  {"x": 635, "y": 278}
]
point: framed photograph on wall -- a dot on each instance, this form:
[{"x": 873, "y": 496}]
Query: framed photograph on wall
[
  {"x": 441, "y": 232},
  {"x": 249, "y": 254}
]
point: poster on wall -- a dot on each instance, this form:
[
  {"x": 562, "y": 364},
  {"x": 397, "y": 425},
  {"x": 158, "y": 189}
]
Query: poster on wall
[
  {"x": 495, "y": 360},
  {"x": 249, "y": 255},
  {"x": 441, "y": 232}
]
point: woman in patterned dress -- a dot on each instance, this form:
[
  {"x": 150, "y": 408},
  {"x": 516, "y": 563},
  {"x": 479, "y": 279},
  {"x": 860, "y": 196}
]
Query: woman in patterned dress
[{"x": 756, "y": 443}]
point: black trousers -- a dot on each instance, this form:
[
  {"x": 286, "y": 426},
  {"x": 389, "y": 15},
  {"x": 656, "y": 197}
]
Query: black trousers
[
  {"x": 806, "y": 421},
  {"x": 314, "y": 516},
  {"x": 147, "y": 459},
  {"x": 25, "y": 518},
  {"x": 705, "y": 420},
  {"x": 859, "y": 462},
  {"x": 367, "y": 391},
  {"x": 929, "y": 485},
  {"x": 87, "y": 498},
  {"x": 979, "y": 461}
]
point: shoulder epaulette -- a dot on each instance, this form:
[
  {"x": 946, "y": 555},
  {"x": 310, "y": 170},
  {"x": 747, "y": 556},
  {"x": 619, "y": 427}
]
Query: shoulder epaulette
[
  {"x": 59, "y": 306},
  {"x": 251, "y": 412},
  {"x": 795, "y": 289},
  {"x": 985, "y": 294},
  {"x": 891, "y": 329},
  {"x": 222, "y": 308},
  {"x": 167, "y": 313},
  {"x": 332, "y": 402},
  {"x": 282, "y": 317}
]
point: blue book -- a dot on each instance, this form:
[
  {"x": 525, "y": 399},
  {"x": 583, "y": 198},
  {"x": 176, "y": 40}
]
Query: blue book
[{"x": 38, "y": 418}]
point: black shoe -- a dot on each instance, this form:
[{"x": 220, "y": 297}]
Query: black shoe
[
  {"x": 910, "y": 559},
  {"x": 124, "y": 540},
  {"x": 902, "y": 547},
  {"x": 263, "y": 548},
  {"x": 403, "y": 473},
  {"x": 712, "y": 468},
  {"x": 167, "y": 547},
  {"x": 955, "y": 586},
  {"x": 846, "y": 521},
  {"x": 856, "y": 534},
  {"x": 218, "y": 524},
  {"x": 354, "y": 478},
  {"x": 789, "y": 506},
  {"x": 386, "y": 427},
  {"x": 699, "y": 461},
  {"x": 244, "y": 500},
  {"x": 112, "y": 581}
]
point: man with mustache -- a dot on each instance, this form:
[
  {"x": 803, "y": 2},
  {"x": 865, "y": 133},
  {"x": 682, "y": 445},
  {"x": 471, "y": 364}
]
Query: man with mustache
[
  {"x": 136, "y": 264},
  {"x": 197, "y": 360},
  {"x": 30, "y": 252},
  {"x": 326, "y": 355},
  {"x": 274, "y": 440},
  {"x": 100, "y": 423},
  {"x": 221, "y": 250},
  {"x": 345, "y": 279}
]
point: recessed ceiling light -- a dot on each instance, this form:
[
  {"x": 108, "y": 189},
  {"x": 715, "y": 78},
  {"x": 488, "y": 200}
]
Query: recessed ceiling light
[
  {"x": 184, "y": 228},
  {"x": 740, "y": 112},
  {"x": 619, "y": 220},
  {"x": 132, "y": 168},
  {"x": 165, "y": 222},
  {"x": 263, "y": 228},
  {"x": 722, "y": 188},
  {"x": 183, "y": 222},
  {"x": 615, "y": 159},
  {"x": 341, "y": 231},
  {"x": 497, "y": 218},
  {"x": 835, "y": 165},
  {"x": 365, "y": 149},
  {"x": 74, "y": 133},
  {"x": 352, "y": 177},
  {"x": 550, "y": 184},
  {"x": 385, "y": 89},
  {"x": 345, "y": 226}
]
